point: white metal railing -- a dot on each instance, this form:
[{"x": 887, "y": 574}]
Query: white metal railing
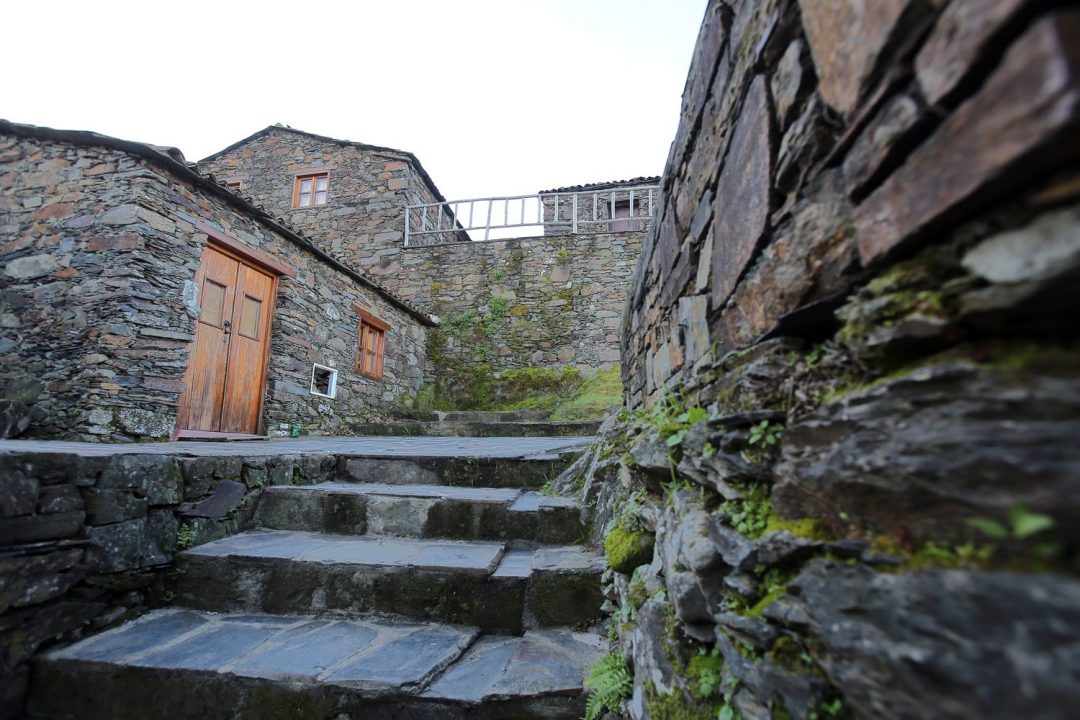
[{"x": 607, "y": 210}]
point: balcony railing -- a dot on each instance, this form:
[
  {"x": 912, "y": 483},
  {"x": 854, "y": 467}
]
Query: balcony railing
[{"x": 494, "y": 218}]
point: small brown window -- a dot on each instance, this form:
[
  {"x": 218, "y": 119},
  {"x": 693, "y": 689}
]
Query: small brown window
[
  {"x": 370, "y": 345},
  {"x": 310, "y": 190},
  {"x": 234, "y": 185}
]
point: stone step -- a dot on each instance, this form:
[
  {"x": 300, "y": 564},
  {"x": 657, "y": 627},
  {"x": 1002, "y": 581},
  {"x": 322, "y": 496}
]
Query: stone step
[
  {"x": 477, "y": 428},
  {"x": 467, "y": 582},
  {"x": 462, "y": 470},
  {"x": 423, "y": 511},
  {"x": 186, "y": 664}
]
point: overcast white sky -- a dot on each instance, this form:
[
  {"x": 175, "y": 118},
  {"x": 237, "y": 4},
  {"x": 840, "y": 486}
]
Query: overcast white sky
[{"x": 495, "y": 97}]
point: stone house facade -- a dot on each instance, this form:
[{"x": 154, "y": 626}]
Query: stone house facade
[
  {"x": 105, "y": 245},
  {"x": 360, "y": 221}
]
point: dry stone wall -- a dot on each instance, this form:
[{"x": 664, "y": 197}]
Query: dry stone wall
[
  {"x": 100, "y": 248},
  {"x": 88, "y": 542},
  {"x": 533, "y": 302},
  {"x": 846, "y": 482}
]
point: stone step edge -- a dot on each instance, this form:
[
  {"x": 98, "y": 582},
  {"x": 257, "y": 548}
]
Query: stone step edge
[
  {"x": 74, "y": 658},
  {"x": 455, "y": 493},
  {"x": 504, "y": 562}
]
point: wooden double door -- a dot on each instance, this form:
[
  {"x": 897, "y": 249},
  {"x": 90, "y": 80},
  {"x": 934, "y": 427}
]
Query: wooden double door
[{"x": 226, "y": 374}]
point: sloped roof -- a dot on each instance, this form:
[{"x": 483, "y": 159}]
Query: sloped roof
[
  {"x": 608, "y": 185},
  {"x": 171, "y": 160},
  {"x": 415, "y": 161}
]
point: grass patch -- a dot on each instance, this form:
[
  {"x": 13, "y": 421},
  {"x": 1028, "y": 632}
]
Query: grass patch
[{"x": 593, "y": 398}]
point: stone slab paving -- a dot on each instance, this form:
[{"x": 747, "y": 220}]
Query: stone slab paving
[
  {"x": 451, "y": 666},
  {"x": 459, "y": 556},
  {"x": 441, "y": 447},
  {"x": 349, "y": 652}
]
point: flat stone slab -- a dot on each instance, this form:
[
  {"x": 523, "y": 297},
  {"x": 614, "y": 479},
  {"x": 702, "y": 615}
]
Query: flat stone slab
[
  {"x": 225, "y": 665},
  {"x": 351, "y": 652},
  {"x": 371, "y": 446},
  {"x": 540, "y": 662},
  {"x": 460, "y": 556},
  {"x": 522, "y": 563}
]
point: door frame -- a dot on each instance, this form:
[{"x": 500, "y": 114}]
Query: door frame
[{"x": 264, "y": 262}]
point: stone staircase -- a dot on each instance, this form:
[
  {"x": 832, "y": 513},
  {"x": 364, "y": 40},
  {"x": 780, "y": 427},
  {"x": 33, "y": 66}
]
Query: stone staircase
[{"x": 359, "y": 599}]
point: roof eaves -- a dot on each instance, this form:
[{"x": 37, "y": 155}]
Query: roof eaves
[{"x": 650, "y": 180}]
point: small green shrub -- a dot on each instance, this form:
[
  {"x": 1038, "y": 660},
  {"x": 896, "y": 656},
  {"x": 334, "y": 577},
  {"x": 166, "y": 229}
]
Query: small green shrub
[
  {"x": 1022, "y": 524},
  {"x": 185, "y": 537},
  {"x": 766, "y": 434},
  {"x": 751, "y": 514}
]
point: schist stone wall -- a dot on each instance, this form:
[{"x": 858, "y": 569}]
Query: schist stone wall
[
  {"x": 87, "y": 542},
  {"x": 533, "y": 302},
  {"x": 363, "y": 221},
  {"x": 98, "y": 306},
  {"x": 848, "y": 484}
]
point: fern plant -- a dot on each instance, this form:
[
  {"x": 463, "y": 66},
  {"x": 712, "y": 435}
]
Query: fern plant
[{"x": 609, "y": 683}]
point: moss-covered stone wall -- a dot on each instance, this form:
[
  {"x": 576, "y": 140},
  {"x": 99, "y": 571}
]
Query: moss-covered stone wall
[
  {"x": 547, "y": 302},
  {"x": 847, "y": 482}
]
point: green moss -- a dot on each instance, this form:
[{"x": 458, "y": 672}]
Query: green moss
[
  {"x": 968, "y": 556},
  {"x": 638, "y": 594},
  {"x": 1014, "y": 358},
  {"x": 675, "y": 706},
  {"x": 704, "y": 674},
  {"x": 519, "y": 310},
  {"x": 773, "y": 586},
  {"x": 593, "y": 398},
  {"x": 626, "y": 549},
  {"x": 809, "y": 528},
  {"x": 790, "y": 655}
]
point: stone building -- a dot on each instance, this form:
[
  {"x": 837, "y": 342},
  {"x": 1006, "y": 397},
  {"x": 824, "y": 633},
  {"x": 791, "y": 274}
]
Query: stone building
[
  {"x": 141, "y": 298},
  {"x": 615, "y": 206},
  {"x": 358, "y": 191},
  {"x": 552, "y": 300}
]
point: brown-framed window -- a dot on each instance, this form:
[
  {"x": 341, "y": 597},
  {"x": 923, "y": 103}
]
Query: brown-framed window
[
  {"x": 234, "y": 184},
  {"x": 370, "y": 345},
  {"x": 311, "y": 190}
]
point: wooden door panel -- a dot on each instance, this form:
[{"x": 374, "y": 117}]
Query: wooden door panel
[
  {"x": 250, "y": 335},
  {"x": 201, "y": 401}
]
